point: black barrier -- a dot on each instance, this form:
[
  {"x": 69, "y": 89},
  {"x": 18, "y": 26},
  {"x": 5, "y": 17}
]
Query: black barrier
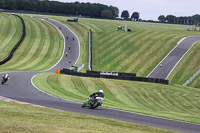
[
  {"x": 114, "y": 75},
  {"x": 18, "y": 43}
]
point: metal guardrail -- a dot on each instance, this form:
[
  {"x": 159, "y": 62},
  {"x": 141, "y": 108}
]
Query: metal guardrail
[
  {"x": 192, "y": 78},
  {"x": 90, "y": 50}
]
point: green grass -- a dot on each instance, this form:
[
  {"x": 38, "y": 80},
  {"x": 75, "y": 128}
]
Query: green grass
[
  {"x": 23, "y": 118},
  {"x": 41, "y": 49},
  {"x": 10, "y": 33},
  {"x": 138, "y": 51},
  {"x": 175, "y": 102}
]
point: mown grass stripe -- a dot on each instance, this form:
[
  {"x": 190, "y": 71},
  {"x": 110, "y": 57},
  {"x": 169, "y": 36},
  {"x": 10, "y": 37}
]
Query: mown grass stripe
[
  {"x": 28, "y": 46},
  {"x": 42, "y": 46},
  {"x": 36, "y": 49},
  {"x": 115, "y": 43},
  {"x": 8, "y": 30},
  {"x": 129, "y": 52}
]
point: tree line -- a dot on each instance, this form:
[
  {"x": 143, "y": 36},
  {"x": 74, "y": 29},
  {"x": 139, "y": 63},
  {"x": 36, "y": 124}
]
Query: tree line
[
  {"x": 95, "y": 10},
  {"x": 135, "y": 15},
  {"x": 195, "y": 19}
]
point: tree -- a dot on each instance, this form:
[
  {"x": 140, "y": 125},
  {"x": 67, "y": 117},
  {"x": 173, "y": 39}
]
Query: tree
[
  {"x": 171, "y": 18},
  {"x": 162, "y": 18},
  {"x": 115, "y": 11},
  {"x": 107, "y": 14},
  {"x": 125, "y": 14},
  {"x": 135, "y": 16},
  {"x": 53, "y": 6}
]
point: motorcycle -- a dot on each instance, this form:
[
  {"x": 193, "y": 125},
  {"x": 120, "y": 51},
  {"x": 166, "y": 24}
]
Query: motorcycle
[
  {"x": 4, "y": 80},
  {"x": 91, "y": 103}
]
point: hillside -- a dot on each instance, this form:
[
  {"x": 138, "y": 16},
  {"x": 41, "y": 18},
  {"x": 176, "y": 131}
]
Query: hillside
[
  {"x": 40, "y": 50},
  {"x": 138, "y": 51},
  {"x": 10, "y": 33}
]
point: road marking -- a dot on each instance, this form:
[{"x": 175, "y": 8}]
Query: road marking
[
  {"x": 166, "y": 56},
  {"x": 180, "y": 59}
]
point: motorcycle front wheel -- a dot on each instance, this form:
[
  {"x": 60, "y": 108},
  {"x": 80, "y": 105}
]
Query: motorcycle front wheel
[
  {"x": 95, "y": 105},
  {"x": 83, "y": 106}
]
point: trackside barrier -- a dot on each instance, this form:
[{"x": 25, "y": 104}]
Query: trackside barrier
[
  {"x": 18, "y": 43},
  {"x": 114, "y": 75},
  {"x": 90, "y": 50}
]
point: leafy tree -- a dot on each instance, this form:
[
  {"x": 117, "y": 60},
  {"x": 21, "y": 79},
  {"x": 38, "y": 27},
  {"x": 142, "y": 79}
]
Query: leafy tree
[
  {"x": 135, "y": 16},
  {"x": 107, "y": 14},
  {"x": 125, "y": 14},
  {"x": 115, "y": 11},
  {"x": 162, "y": 18},
  {"x": 171, "y": 18}
]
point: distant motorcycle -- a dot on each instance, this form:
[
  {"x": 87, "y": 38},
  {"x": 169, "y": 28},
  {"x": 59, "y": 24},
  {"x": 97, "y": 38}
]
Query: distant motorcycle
[
  {"x": 91, "y": 103},
  {"x": 4, "y": 79}
]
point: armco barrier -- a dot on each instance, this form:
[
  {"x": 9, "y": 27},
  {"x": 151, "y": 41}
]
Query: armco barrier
[
  {"x": 18, "y": 43},
  {"x": 114, "y": 75},
  {"x": 90, "y": 50}
]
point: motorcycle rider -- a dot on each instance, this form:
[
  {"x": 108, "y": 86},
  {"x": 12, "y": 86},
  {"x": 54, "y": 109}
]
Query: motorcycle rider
[
  {"x": 99, "y": 96},
  {"x": 5, "y": 77}
]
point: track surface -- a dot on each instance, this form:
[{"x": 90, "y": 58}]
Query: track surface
[
  {"x": 173, "y": 58},
  {"x": 20, "y": 88}
]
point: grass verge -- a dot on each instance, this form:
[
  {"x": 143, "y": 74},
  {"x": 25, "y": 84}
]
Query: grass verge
[
  {"x": 41, "y": 49},
  {"x": 10, "y": 33},
  {"x": 23, "y": 118}
]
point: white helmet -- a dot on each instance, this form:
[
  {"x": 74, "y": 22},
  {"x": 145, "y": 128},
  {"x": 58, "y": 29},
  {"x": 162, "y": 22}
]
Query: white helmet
[{"x": 101, "y": 91}]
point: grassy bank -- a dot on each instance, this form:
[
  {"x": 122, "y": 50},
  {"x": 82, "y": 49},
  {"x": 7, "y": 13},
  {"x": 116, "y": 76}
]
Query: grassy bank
[
  {"x": 24, "y": 118},
  {"x": 41, "y": 49},
  {"x": 175, "y": 102},
  {"x": 138, "y": 51},
  {"x": 10, "y": 33}
]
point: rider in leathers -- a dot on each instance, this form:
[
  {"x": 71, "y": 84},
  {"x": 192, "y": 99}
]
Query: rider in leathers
[
  {"x": 99, "y": 96},
  {"x": 5, "y": 77}
]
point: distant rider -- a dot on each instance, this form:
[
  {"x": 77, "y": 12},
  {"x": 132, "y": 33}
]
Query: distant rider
[
  {"x": 5, "y": 77},
  {"x": 99, "y": 96}
]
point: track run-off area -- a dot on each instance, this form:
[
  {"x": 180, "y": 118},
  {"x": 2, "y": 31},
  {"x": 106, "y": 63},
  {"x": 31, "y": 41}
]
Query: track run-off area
[{"x": 21, "y": 88}]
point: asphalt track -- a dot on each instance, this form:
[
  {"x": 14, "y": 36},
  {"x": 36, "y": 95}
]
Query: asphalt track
[
  {"x": 20, "y": 88},
  {"x": 173, "y": 58}
]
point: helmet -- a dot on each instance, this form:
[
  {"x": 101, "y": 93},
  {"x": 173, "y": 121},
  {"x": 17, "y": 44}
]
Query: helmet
[{"x": 101, "y": 91}]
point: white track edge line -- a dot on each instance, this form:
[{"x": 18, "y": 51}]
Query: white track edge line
[
  {"x": 180, "y": 59},
  {"x": 167, "y": 56}
]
